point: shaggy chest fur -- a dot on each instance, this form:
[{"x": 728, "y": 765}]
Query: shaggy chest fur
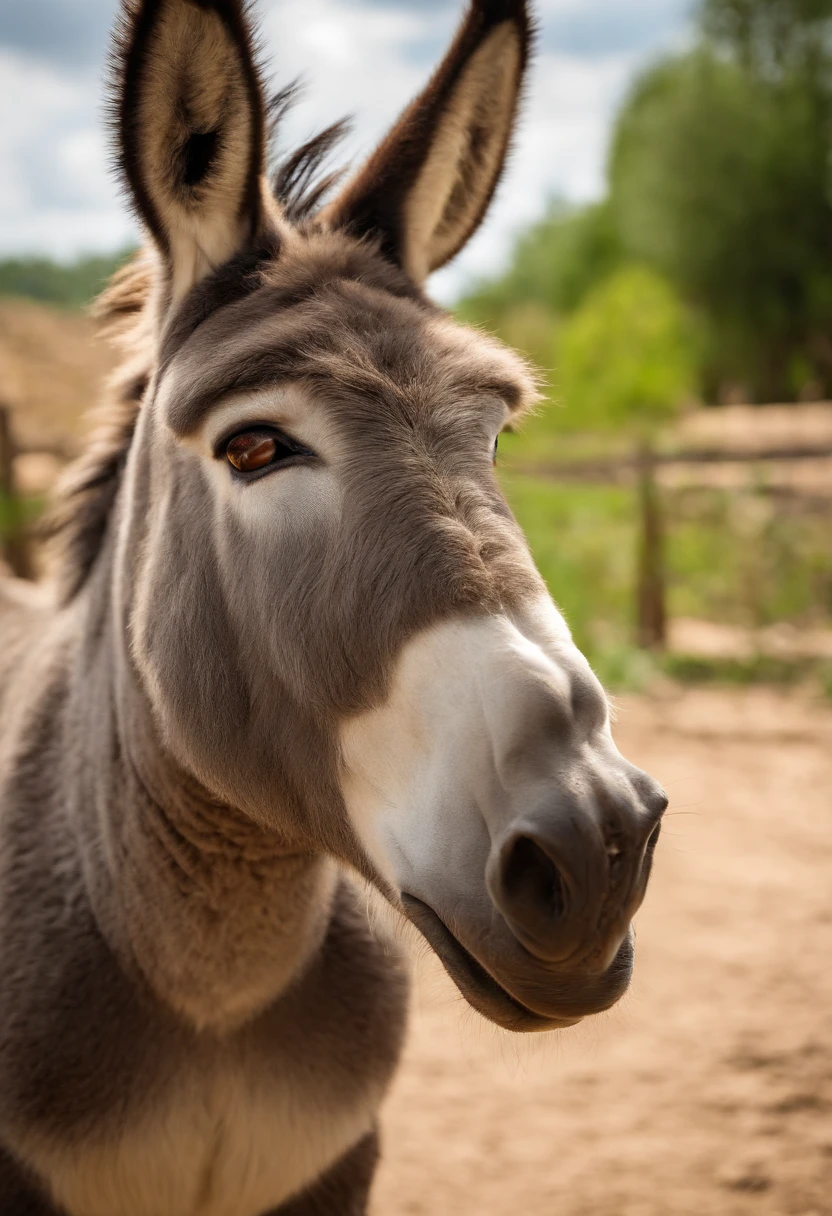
[
  {"x": 232, "y": 1142},
  {"x": 143, "y": 1116},
  {"x": 134, "y": 1089}
]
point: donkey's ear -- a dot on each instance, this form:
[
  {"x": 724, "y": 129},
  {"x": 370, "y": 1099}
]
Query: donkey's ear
[
  {"x": 426, "y": 188},
  {"x": 189, "y": 117}
]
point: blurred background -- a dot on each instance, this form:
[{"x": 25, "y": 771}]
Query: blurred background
[{"x": 661, "y": 250}]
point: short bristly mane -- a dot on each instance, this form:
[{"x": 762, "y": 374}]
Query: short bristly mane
[
  {"x": 299, "y": 181},
  {"x": 84, "y": 496},
  {"x": 77, "y": 521}
]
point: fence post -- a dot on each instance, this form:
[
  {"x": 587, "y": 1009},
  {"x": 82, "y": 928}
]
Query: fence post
[
  {"x": 13, "y": 543},
  {"x": 651, "y": 620}
]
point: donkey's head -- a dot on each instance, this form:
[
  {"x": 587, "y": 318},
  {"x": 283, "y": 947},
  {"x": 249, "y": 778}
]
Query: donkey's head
[{"x": 332, "y": 611}]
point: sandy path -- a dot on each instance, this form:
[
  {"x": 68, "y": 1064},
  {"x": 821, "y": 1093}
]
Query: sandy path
[{"x": 709, "y": 1090}]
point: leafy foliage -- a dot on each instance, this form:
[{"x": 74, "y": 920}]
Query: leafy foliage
[
  {"x": 626, "y": 355},
  {"x": 770, "y": 36},
  {"x": 555, "y": 263},
  {"x": 719, "y": 178}
]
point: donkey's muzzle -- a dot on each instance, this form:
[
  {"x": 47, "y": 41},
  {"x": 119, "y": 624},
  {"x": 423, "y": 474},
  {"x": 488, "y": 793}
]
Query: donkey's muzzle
[
  {"x": 550, "y": 941},
  {"x": 568, "y": 880}
]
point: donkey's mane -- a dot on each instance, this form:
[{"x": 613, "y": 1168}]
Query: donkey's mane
[
  {"x": 298, "y": 180},
  {"x": 77, "y": 522}
]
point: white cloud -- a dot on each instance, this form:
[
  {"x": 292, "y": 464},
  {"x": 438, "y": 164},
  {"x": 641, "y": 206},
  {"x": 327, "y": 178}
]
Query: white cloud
[
  {"x": 353, "y": 59},
  {"x": 56, "y": 193}
]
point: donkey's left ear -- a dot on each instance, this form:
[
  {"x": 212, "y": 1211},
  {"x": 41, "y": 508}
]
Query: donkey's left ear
[
  {"x": 426, "y": 188},
  {"x": 189, "y": 116}
]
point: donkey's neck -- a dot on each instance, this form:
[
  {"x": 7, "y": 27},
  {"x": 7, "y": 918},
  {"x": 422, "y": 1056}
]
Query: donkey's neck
[{"x": 216, "y": 912}]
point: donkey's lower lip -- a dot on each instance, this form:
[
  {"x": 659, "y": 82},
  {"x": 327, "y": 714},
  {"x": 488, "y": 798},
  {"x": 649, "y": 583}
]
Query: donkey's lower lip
[{"x": 477, "y": 985}]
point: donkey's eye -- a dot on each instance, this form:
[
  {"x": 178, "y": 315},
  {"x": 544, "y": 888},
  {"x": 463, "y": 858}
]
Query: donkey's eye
[
  {"x": 496, "y": 445},
  {"x": 261, "y": 448}
]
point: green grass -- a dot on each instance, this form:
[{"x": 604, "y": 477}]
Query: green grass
[
  {"x": 734, "y": 559},
  {"x": 814, "y": 674},
  {"x": 754, "y": 669},
  {"x": 741, "y": 559},
  {"x": 582, "y": 538},
  {"x": 583, "y": 541}
]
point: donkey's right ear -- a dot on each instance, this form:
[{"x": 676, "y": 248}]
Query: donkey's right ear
[
  {"x": 426, "y": 188},
  {"x": 190, "y": 123}
]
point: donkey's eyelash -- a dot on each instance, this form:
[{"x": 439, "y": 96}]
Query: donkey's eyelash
[{"x": 220, "y": 445}]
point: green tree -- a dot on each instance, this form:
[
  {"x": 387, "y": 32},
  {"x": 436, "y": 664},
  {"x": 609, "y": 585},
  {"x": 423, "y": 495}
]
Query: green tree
[
  {"x": 553, "y": 265},
  {"x": 720, "y": 179},
  {"x": 770, "y": 36},
  {"x": 627, "y": 355}
]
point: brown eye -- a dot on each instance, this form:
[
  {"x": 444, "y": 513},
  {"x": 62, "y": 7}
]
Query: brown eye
[
  {"x": 260, "y": 450},
  {"x": 252, "y": 450}
]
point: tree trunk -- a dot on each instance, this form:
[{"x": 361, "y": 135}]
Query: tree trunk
[{"x": 651, "y": 616}]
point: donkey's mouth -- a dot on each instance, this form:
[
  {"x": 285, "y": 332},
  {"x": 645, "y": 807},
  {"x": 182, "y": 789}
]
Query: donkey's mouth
[{"x": 477, "y": 985}]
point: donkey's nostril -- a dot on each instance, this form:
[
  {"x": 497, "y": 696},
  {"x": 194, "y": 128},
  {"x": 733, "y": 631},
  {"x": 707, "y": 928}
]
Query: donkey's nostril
[
  {"x": 530, "y": 880},
  {"x": 549, "y": 884}
]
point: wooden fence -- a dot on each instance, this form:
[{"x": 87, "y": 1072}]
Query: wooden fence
[
  {"x": 16, "y": 541},
  {"x": 641, "y": 468},
  {"x": 15, "y": 548}
]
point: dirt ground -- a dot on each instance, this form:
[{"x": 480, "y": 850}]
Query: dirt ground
[{"x": 708, "y": 1090}]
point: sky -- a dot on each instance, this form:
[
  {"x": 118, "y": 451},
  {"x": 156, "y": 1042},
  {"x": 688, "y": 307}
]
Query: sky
[{"x": 365, "y": 58}]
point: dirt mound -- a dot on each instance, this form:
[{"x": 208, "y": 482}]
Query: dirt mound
[{"x": 52, "y": 365}]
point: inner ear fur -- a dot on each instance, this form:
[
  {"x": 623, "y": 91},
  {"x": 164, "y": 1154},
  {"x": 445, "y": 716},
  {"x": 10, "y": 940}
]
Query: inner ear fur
[
  {"x": 426, "y": 188},
  {"x": 190, "y": 121}
]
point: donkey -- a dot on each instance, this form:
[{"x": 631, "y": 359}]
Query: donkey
[{"x": 294, "y": 648}]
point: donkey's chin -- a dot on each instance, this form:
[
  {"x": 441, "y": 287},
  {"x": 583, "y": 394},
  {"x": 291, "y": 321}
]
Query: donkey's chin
[{"x": 552, "y": 999}]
